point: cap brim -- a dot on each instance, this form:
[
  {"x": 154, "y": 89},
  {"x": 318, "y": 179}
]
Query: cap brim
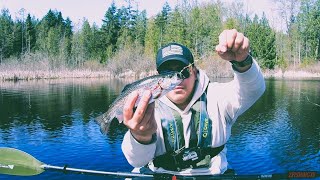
[{"x": 174, "y": 58}]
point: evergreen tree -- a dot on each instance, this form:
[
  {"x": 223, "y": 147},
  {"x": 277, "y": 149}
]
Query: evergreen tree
[
  {"x": 54, "y": 36},
  {"x": 251, "y": 33},
  {"x": 209, "y": 27},
  {"x": 17, "y": 39},
  {"x": 6, "y": 35},
  {"x": 42, "y": 33},
  {"x": 161, "y": 21},
  {"x": 30, "y": 33},
  {"x": 231, "y": 23},
  {"x": 195, "y": 29},
  {"x": 175, "y": 29},
  {"x": 111, "y": 28},
  {"x": 308, "y": 21},
  {"x": 53, "y": 40},
  {"x": 152, "y": 38},
  {"x": 43, "y": 28},
  {"x": 59, "y": 19},
  {"x": 86, "y": 39},
  {"x": 68, "y": 28},
  {"x": 51, "y": 19},
  {"x": 78, "y": 51},
  {"x": 262, "y": 41},
  {"x": 141, "y": 27},
  {"x": 97, "y": 44},
  {"x": 125, "y": 36},
  {"x": 68, "y": 36},
  {"x": 196, "y": 26},
  {"x": 267, "y": 37},
  {"x": 316, "y": 25}
]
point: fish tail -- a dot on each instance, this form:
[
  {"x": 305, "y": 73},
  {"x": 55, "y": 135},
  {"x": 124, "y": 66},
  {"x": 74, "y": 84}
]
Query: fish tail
[{"x": 104, "y": 121}]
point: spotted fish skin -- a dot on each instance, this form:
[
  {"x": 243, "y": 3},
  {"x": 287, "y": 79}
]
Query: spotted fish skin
[{"x": 159, "y": 85}]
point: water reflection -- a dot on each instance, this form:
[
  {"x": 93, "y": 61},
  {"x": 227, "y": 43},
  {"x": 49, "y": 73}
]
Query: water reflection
[
  {"x": 54, "y": 103},
  {"x": 54, "y": 120},
  {"x": 46, "y": 108},
  {"x": 280, "y": 132}
]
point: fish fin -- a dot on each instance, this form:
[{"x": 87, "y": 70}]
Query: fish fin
[
  {"x": 139, "y": 82},
  {"x": 119, "y": 118},
  {"x": 104, "y": 121},
  {"x": 126, "y": 87}
]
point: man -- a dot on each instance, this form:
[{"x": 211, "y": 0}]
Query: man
[{"x": 185, "y": 132}]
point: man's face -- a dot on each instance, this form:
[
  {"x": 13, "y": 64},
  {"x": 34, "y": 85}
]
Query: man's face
[{"x": 182, "y": 94}]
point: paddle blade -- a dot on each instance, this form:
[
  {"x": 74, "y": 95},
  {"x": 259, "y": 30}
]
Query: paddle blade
[{"x": 16, "y": 162}]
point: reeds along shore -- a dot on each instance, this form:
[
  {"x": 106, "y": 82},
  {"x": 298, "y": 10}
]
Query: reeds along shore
[
  {"x": 8, "y": 75},
  {"x": 127, "y": 68}
]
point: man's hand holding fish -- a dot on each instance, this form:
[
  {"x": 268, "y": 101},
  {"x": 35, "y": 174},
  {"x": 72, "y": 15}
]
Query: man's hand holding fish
[{"x": 141, "y": 122}]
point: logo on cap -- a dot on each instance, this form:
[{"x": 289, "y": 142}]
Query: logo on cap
[{"x": 172, "y": 50}]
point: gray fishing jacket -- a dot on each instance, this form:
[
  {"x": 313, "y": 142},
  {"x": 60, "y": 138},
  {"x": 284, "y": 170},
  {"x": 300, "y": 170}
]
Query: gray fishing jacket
[{"x": 225, "y": 103}]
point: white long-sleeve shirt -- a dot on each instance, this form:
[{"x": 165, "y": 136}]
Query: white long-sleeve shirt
[{"x": 225, "y": 103}]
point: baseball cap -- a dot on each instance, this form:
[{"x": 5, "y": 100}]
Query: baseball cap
[{"x": 174, "y": 51}]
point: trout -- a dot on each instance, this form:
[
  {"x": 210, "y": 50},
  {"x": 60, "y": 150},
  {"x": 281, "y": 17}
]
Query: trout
[{"x": 159, "y": 85}]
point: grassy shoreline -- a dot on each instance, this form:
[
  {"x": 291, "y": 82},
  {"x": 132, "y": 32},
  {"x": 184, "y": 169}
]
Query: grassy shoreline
[
  {"x": 57, "y": 74},
  {"x": 123, "y": 66},
  {"x": 85, "y": 73},
  {"x": 291, "y": 74}
]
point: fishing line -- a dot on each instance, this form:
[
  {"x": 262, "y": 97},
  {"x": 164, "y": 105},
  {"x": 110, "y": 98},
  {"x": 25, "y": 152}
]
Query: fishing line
[
  {"x": 305, "y": 94},
  {"x": 309, "y": 100}
]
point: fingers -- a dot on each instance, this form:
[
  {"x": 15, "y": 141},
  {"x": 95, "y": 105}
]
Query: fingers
[
  {"x": 232, "y": 45},
  {"x": 238, "y": 42},
  {"x": 148, "y": 123},
  {"x": 222, "y": 46},
  {"x": 142, "y": 106},
  {"x": 245, "y": 45},
  {"x": 231, "y": 40},
  {"x": 231, "y": 36},
  {"x": 132, "y": 119},
  {"x": 129, "y": 105}
]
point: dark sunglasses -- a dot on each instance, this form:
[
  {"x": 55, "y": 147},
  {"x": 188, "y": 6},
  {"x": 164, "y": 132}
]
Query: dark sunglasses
[{"x": 184, "y": 73}]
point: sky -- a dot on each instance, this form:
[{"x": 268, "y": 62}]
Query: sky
[{"x": 94, "y": 10}]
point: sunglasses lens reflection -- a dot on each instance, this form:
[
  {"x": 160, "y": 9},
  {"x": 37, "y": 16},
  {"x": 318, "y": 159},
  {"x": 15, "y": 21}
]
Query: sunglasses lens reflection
[{"x": 185, "y": 73}]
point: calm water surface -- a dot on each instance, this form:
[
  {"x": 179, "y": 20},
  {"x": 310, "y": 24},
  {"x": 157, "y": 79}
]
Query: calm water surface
[{"x": 53, "y": 120}]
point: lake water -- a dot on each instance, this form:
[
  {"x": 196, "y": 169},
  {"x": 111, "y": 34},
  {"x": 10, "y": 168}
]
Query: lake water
[{"x": 53, "y": 120}]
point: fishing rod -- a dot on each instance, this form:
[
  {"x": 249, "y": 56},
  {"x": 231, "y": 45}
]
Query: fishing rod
[{"x": 19, "y": 163}]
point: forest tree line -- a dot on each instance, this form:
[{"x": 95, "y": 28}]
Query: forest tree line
[{"x": 127, "y": 30}]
